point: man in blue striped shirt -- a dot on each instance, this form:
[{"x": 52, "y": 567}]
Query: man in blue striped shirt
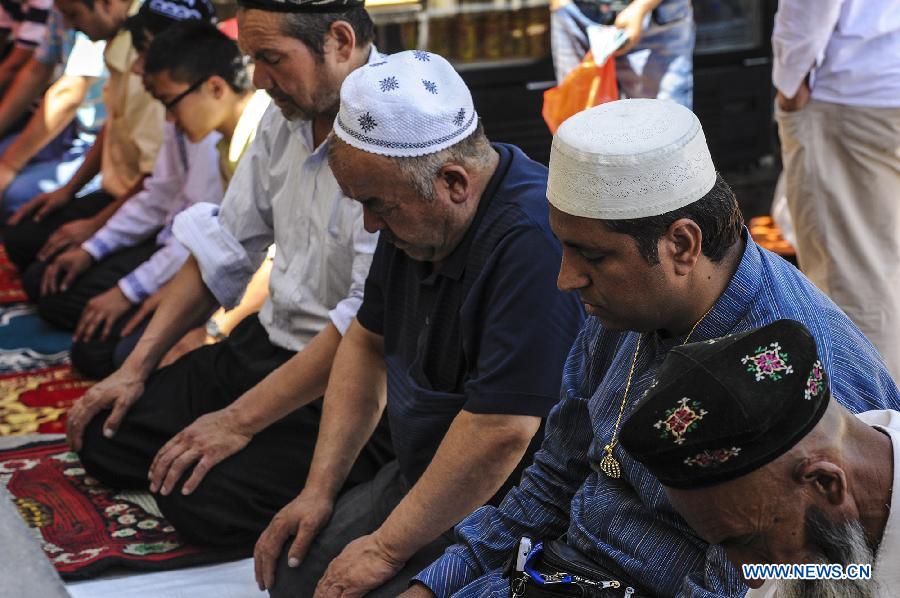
[{"x": 655, "y": 246}]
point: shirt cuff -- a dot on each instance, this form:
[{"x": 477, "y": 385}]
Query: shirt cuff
[
  {"x": 787, "y": 80},
  {"x": 97, "y": 248},
  {"x": 224, "y": 264},
  {"x": 446, "y": 575},
  {"x": 344, "y": 312},
  {"x": 132, "y": 288},
  {"x": 493, "y": 402}
]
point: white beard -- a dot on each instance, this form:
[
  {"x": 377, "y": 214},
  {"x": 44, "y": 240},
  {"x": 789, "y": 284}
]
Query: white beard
[{"x": 841, "y": 542}]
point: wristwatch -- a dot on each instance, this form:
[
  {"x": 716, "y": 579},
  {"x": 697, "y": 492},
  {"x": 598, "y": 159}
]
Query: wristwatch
[{"x": 213, "y": 330}]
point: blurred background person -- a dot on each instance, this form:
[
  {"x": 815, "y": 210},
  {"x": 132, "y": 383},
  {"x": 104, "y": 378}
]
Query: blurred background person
[
  {"x": 656, "y": 61},
  {"x": 837, "y": 72}
]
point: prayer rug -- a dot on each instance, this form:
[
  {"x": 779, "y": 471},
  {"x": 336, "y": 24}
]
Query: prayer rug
[
  {"x": 37, "y": 385},
  {"x": 84, "y": 527},
  {"x": 10, "y": 286}
]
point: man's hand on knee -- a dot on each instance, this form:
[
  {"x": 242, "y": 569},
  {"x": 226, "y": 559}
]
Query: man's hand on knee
[
  {"x": 303, "y": 517},
  {"x": 365, "y": 564},
  {"x": 117, "y": 392},
  {"x": 67, "y": 266},
  {"x": 206, "y": 442}
]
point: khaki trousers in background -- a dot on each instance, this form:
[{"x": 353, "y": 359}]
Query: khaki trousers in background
[{"x": 842, "y": 169}]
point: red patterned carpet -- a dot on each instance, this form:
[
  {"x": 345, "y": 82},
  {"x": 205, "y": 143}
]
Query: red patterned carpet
[
  {"x": 84, "y": 527},
  {"x": 36, "y": 383},
  {"x": 36, "y": 401},
  {"x": 10, "y": 288}
]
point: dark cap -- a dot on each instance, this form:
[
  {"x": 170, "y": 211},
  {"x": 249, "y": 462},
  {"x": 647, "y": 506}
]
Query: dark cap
[
  {"x": 156, "y": 15},
  {"x": 302, "y": 5},
  {"x": 723, "y": 408}
]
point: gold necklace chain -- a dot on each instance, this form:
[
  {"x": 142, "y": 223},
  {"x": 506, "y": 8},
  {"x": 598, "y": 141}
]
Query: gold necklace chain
[{"x": 609, "y": 464}]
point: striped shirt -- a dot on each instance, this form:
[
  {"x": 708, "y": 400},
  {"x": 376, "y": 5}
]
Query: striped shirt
[
  {"x": 628, "y": 523},
  {"x": 24, "y": 21}
]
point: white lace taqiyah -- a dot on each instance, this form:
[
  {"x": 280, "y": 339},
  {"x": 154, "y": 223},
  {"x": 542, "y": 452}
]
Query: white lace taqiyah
[
  {"x": 407, "y": 104},
  {"x": 629, "y": 159}
]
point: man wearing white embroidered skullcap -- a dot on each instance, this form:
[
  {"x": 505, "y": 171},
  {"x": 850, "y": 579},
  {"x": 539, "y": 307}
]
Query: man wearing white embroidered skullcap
[
  {"x": 653, "y": 243},
  {"x": 461, "y": 326}
]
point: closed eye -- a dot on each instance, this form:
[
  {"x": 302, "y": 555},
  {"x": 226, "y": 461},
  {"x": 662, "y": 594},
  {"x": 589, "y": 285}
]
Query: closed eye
[
  {"x": 592, "y": 258},
  {"x": 268, "y": 59}
]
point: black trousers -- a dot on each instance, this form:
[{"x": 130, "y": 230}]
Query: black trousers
[
  {"x": 24, "y": 240},
  {"x": 63, "y": 309},
  {"x": 94, "y": 357},
  {"x": 238, "y": 497},
  {"x": 98, "y": 358}
]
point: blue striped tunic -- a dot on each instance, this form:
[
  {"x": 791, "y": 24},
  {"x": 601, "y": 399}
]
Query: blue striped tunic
[{"x": 628, "y": 521}]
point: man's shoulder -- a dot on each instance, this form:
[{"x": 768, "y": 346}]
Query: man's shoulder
[
  {"x": 519, "y": 213},
  {"x": 525, "y": 179},
  {"x": 857, "y": 372}
]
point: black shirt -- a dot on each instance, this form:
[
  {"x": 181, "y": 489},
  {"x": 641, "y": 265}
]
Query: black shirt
[{"x": 487, "y": 333}]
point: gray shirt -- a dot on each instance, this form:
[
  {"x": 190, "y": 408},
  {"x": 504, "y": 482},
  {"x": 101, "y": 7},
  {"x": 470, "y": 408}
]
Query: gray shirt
[{"x": 283, "y": 191}]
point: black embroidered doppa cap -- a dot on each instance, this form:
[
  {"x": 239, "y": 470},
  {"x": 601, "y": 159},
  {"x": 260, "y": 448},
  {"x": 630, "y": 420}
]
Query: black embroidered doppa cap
[
  {"x": 155, "y": 15},
  {"x": 722, "y": 408}
]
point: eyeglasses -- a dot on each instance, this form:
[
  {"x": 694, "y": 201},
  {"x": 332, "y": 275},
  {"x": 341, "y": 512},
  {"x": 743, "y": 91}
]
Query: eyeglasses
[{"x": 174, "y": 101}]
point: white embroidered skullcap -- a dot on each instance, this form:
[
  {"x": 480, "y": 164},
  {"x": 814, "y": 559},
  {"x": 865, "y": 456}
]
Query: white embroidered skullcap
[
  {"x": 629, "y": 159},
  {"x": 407, "y": 104}
]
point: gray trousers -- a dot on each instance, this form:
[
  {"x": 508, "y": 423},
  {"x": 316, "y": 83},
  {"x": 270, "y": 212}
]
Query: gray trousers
[
  {"x": 358, "y": 512},
  {"x": 842, "y": 173}
]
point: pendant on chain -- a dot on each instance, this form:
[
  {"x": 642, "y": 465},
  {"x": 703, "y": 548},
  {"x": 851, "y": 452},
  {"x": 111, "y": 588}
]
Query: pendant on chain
[{"x": 609, "y": 465}]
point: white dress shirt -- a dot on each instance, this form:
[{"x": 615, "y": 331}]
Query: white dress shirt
[
  {"x": 850, "y": 47},
  {"x": 283, "y": 191},
  {"x": 886, "y": 568},
  {"x": 185, "y": 173}
]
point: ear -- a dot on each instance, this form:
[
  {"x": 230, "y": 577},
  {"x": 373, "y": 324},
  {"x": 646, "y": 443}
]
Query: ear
[
  {"x": 824, "y": 479},
  {"x": 217, "y": 86},
  {"x": 682, "y": 242},
  {"x": 457, "y": 181},
  {"x": 340, "y": 41}
]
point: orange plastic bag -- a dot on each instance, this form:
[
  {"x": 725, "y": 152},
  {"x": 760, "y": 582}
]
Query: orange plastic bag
[{"x": 585, "y": 87}]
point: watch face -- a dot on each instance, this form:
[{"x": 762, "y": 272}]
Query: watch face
[{"x": 212, "y": 329}]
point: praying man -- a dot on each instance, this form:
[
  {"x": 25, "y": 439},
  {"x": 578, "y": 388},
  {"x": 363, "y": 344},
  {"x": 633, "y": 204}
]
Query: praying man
[{"x": 777, "y": 471}]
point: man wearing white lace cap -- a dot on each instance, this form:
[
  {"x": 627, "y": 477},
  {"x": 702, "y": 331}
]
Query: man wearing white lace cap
[
  {"x": 654, "y": 244},
  {"x": 462, "y": 333}
]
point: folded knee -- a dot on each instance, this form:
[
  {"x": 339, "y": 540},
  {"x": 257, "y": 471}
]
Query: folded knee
[
  {"x": 93, "y": 359},
  {"x": 208, "y": 516}
]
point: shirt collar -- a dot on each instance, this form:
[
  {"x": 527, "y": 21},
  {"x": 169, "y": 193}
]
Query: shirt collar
[
  {"x": 455, "y": 263},
  {"x": 884, "y": 569},
  {"x": 732, "y": 305},
  {"x": 119, "y": 54}
]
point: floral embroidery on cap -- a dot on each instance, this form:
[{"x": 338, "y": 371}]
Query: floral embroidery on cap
[
  {"x": 714, "y": 458},
  {"x": 389, "y": 84},
  {"x": 769, "y": 362},
  {"x": 430, "y": 86},
  {"x": 815, "y": 383},
  {"x": 421, "y": 55},
  {"x": 460, "y": 117},
  {"x": 367, "y": 122},
  {"x": 680, "y": 419}
]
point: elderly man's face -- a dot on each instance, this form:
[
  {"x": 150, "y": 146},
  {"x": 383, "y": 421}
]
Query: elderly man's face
[
  {"x": 392, "y": 205},
  {"x": 614, "y": 281},
  {"x": 758, "y": 520},
  {"x": 302, "y": 86}
]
